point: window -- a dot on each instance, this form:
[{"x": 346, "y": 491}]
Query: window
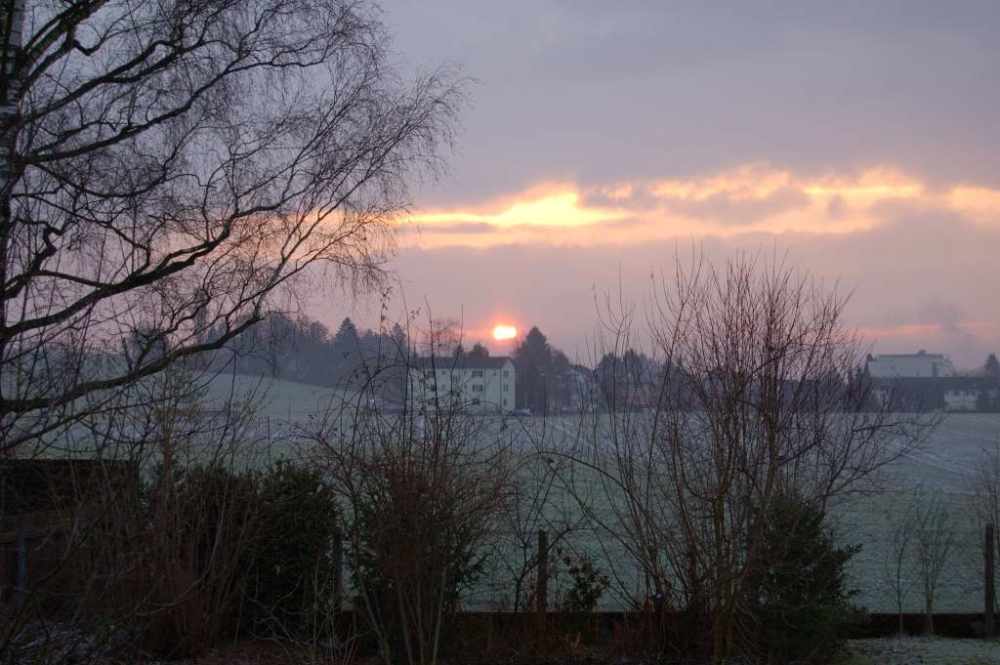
[
  {"x": 506, "y": 373},
  {"x": 475, "y": 402},
  {"x": 505, "y": 401},
  {"x": 506, "y": 387},
  {"x": 477, "y": 388},
  {"x": 477, "y": 374}
]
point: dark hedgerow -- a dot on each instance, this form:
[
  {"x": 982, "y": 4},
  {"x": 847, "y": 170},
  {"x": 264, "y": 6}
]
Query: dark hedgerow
[{"x": 290, "y": 582}]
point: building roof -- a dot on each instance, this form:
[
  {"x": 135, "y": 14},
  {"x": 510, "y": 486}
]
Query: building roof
[
  {"x": 460, "y": 362},
  {"x": 919, "y": 354}
]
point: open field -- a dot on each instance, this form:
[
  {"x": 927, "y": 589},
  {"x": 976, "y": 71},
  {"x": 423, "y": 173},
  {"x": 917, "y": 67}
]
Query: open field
[
  {"x": 946, "y": 463},
  {"x": 926, "y": 651}
]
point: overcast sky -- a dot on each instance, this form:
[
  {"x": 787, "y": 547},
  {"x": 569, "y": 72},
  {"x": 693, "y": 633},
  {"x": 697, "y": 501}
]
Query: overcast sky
[{"x": 859, "y": 139}]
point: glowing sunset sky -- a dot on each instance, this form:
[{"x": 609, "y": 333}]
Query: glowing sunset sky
[{"x": 859, "y": 139}]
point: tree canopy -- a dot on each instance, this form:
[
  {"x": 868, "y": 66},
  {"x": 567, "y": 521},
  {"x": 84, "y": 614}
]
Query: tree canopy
[{"x": 176, "y": 167}]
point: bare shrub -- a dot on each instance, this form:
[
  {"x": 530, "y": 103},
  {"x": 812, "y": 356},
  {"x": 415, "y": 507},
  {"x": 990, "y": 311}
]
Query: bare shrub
[
  {"x": 934, "y": 537},
  {"x": 896, "y": 564},
  {"x": 758, "y": 396},
  {"x": 421, "y": 490},
  {"x": 986, "y": 492}
]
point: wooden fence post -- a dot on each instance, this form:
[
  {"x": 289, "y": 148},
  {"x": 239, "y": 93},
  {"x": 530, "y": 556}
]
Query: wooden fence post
[
  {"x": 542, "y": 590},
  {"x": 21, "y": 574},
  {"x": 989, "y": 620},
  {"x": 338, "y": 570}
]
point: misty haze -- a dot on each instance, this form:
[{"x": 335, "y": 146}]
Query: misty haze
[{"x": 569, "y": 333}]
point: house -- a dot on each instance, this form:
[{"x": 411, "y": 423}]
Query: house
[
  {"x": 469, "y": 383},
  {"x": 948, "y": 393},
  {"x": 971, "y": 393},
  {"x": 919, "y": 365}
]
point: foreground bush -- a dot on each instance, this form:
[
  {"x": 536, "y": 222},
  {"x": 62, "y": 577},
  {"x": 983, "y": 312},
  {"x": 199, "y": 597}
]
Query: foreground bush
[
  {"x": 229, "y": 554},
  {"x": 290, "y": 581},
  {"x": 799, "y": 602},
  {"x": 420, "y": 494},
  {"x": 203, "y": 523},
  {"x": 414, "y": 551}
]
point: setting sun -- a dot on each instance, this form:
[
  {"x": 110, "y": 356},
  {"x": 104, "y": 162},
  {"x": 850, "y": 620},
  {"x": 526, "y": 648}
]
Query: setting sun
[{"x": 504, "y": 332}]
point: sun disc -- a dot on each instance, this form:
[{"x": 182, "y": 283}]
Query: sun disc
[{"x": 504, "y": 332}]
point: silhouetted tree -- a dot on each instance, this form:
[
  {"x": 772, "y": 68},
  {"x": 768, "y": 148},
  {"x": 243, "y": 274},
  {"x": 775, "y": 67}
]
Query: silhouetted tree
[
  {"x": 479, "y": 351},
  {"x": 533, "y": 359},
  {"x": 627, "y": 382},
  {"x": 992, "y": 367},
  {"x": 176, "y": 166}
]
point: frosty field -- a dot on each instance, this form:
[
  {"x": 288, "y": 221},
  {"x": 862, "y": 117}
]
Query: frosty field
[{"x": 946, "y": 463}]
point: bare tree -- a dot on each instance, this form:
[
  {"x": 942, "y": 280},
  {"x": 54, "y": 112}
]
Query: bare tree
[
  {"x": 986, "y": 490},
  {"x": 896, "y": 563},
  {"x": 934, "y": 538},
  {"x": 172, "y": 169},
  {"x": 536, "y": 502},
  {"x": 757, "y": 399}
]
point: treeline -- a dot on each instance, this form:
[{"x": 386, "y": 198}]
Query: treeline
[
  {"x": 548, "y": 382},
  {"x": 304, "y": 350},
  {"x": 630, "y": 380}
]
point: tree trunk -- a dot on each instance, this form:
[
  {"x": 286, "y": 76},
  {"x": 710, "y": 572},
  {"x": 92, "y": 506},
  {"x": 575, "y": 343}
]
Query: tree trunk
[{"x": 10, "y": 172}]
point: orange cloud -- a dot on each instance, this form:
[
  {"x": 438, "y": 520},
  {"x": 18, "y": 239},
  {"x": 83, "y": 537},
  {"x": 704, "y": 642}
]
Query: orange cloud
[
  {"x": 556, "y": 205},
  {"x": 753, "y": 198},
  {"x": 980, "y": 204}
]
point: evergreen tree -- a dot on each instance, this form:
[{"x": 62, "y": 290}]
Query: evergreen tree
[
  {"x": 399, "y": 341},
  {"x": 347, "y": 337},
  {"x": 798, "y": 590},
  {"x": 992, "y": 367},
  {"x": 533, "y": 359},
  {"x": 346, "y": 350},
  {"x": 607, "y": 381}
]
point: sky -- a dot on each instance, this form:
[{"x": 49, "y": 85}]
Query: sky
[{"x": 859, "y": 141}]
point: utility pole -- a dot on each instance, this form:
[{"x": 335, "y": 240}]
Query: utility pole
[
  {"x": 989, "y": 618},
  {"x": 542, "y": 588}
]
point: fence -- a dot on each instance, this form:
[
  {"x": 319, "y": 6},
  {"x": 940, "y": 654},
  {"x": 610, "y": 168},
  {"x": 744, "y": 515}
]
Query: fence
[{"x": 41, "y": 502}]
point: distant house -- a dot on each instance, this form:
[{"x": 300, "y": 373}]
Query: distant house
[
  {"x": 469, "y": 383},
  {"x": 919, "y": 365},
  {"x": 947, "y": 393},
  {"x": 972, "y": 393}
]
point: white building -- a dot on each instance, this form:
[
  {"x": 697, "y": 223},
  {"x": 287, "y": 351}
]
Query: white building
[
  {"x": 919, "y": 365},
  {"x": 961, "y": 398},
  {"x": 482, "y": 385}
]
